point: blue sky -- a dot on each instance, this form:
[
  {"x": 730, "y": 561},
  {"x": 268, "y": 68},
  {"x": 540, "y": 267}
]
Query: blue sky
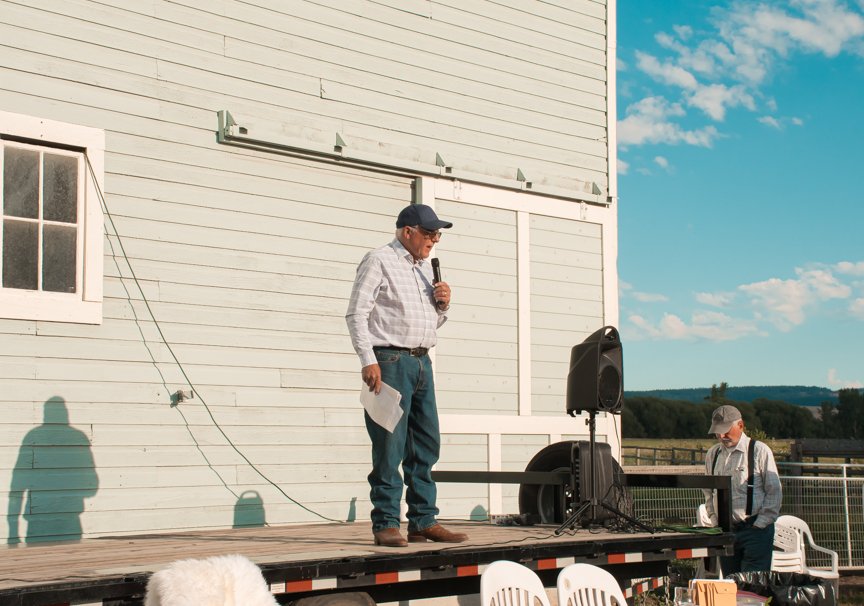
[{"x": 741, "y": 214}]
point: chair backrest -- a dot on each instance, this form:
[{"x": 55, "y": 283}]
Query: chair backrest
[
  {"x": 786, "y": 524},
  {"x": 588, "y": 585},
  {"x": 703, "y": 520},
  {"x": 505, "y": 583},
  {"x": 788, "y": 554}
]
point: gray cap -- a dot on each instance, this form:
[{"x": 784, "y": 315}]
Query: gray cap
[
  {"x": 422, "y": 215},
  {"x": 723, "y": 418}
]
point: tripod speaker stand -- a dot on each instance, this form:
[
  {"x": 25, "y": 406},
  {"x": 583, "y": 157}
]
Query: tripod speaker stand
[
  {"x": 595, "y": 382},
  {"x": 588, "y": 510}
]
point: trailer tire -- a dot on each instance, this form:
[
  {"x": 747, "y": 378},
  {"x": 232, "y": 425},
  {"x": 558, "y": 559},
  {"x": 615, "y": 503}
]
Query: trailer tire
[
  {"x": 541, "y": 502},
  {"x": 348, "y": 598}
]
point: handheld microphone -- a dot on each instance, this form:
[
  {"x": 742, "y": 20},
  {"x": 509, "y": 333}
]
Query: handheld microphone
[{"x": 436, "y": 276}]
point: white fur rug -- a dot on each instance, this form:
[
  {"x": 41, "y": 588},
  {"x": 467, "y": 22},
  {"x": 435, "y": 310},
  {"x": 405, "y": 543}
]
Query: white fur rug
[{"x": 229, "y": 580}]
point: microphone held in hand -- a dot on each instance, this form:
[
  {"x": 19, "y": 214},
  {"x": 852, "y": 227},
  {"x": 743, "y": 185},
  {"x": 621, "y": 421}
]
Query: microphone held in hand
[{"x": 436, "y": 276}]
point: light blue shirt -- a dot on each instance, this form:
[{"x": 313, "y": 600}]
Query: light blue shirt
[
  {"x": 392, "y": 303},
  {"x": 767, "y": 491}
]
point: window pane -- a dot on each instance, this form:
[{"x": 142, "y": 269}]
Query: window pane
[
  {"x": 20, "y": 248},
  {"x": 20, "y": 182},
  {"x": 58, "y": 258},
  {"x": 60, "y": 188}
]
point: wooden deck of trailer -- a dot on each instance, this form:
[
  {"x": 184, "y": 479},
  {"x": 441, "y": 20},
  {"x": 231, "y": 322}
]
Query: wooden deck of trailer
[{"x": 304, "y": 560}]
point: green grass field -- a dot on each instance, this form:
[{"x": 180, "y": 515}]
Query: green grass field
[{"x": 780, "y": 447}]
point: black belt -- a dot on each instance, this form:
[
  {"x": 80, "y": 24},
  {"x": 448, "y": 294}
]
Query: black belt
[{"x": 417, "y": 352}]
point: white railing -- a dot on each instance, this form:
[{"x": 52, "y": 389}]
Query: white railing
[{"x": 832, "y": 504}]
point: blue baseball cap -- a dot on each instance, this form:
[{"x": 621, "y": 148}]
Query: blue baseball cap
[{"x": 422, "y": 215}]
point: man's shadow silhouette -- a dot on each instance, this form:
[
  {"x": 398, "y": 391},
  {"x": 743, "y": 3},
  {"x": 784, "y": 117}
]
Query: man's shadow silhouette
[{"x": 53, "y": 475}]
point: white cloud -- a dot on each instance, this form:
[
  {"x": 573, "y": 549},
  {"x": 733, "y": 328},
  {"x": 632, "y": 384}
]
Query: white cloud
[
  {"x": 785, "y": 298},
  {"x": 623, "y": 167},
  {"x": 781, "y": 304},
  {"x": 708, "y": 326},
  {"x": 648, "y": 121},
  {"x": 784, "y": 301},
  {"x": 667, "y": 41},
  {"x": 661, "y": 161},
  {"x": 847, "y": 267},
  {"x": 824, "y": 284},
  {"x": 727, "y": 68},
  {"x": 684, "y": 31},
  {"x": 856, "y": 308},
  {"x": 666, "y": 72},
  {"x": 715, "y": 299},
  {"x": 770, "y": 121},
  {"x": 649, "y": 297},
  {"x": 761, "y": 34},
  {"x": 835, "y": 383},
  {"x": 714, "y": 99}
]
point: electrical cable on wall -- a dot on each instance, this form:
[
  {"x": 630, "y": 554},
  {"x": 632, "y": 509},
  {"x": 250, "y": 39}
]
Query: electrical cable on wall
[{"x": 116, "y": 234}]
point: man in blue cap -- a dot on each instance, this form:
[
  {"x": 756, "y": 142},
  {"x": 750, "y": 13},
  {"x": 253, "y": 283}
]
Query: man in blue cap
[
  {"x": 756, "y": 490},
  {"x": 393, "y": 316}
]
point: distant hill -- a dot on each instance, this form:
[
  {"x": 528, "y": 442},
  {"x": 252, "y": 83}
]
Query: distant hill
[{"x": 792, "y": 394}]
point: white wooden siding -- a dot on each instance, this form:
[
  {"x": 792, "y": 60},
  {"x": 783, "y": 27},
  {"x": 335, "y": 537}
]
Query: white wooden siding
[
  {"x": 492, "y": 88},
  {"x": 566, "y": 301},
  {"x": 246, "y": 258},
  {"x": 476, "y": 359}
]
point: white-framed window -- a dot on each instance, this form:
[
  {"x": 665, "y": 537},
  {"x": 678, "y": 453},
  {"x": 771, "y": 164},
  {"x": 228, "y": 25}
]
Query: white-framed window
[{"x": 51, "y": 235}]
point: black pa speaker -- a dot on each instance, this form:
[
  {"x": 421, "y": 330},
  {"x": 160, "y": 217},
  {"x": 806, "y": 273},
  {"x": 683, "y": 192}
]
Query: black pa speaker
[{"x": 596, "y": 378}]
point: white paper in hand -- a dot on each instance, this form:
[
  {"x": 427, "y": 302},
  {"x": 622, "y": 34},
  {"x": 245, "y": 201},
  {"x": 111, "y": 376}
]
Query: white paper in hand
[{"x": 384, "y": 407}]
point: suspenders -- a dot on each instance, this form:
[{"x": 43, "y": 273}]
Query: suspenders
[{"x": 751, "y": 459}]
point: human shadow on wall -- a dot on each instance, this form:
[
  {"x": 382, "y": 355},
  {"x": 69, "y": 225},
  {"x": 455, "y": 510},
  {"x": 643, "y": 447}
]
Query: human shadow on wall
[{"x": 53, "y": 475}]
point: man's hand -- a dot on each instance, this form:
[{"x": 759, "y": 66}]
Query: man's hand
[
  {"x": 442, "y": 295},
  {"x": 372, "y": 377}
]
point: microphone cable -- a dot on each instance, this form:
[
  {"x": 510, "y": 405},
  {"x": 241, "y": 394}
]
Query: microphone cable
[{"x": 180, "y": 365}]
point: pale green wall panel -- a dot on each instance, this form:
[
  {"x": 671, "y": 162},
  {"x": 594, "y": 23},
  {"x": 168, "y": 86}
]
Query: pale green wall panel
[
  {"x": 246, "y": 258},
  {"x": 566, "y": 302}
]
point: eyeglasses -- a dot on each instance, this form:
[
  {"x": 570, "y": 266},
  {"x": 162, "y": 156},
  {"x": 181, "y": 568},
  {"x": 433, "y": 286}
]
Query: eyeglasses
[{"x": 429, "y": 235}]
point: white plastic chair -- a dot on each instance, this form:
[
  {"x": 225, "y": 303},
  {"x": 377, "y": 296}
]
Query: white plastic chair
[
  {"x": 506, "y": 583},
  {"x": 790, "y": 548},
  {"x": 707, "y": 568},
  {"x": 588, "y": 585},
  {"x": 703, "y": 520},
  {"x": 788, "y": 554}
]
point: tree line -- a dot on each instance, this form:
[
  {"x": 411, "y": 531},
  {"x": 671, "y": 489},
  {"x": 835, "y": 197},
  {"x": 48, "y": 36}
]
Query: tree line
[{"x": 650, "y": 417}]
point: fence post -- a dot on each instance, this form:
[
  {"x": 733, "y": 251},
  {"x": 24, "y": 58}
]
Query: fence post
[{"x": 846, "y": 515}]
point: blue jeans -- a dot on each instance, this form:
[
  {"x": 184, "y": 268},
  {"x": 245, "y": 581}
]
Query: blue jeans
[
  {"x": 415, "y": 444},
  {"x": 753, "y": 547}
]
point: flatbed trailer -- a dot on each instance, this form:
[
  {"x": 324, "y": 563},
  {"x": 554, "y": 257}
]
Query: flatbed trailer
[{"x": 332, "y": 559}]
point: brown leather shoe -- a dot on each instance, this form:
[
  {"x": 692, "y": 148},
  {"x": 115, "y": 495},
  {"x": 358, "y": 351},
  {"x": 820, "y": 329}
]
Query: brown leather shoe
[
  {"x": 438, "y": 534},
  {"x": 390, "y": 537}
]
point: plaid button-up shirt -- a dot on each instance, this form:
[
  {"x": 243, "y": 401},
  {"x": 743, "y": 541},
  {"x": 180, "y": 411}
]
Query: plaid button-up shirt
[
  {"x": 767, "y": 491},
  {"x": 392, "y": 303}
]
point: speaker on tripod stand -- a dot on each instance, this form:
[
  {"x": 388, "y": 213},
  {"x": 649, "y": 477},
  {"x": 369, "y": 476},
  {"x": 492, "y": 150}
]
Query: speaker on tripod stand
[
  {"x": 595, "y": 383},
  {"x": 596, "y": 378}
]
